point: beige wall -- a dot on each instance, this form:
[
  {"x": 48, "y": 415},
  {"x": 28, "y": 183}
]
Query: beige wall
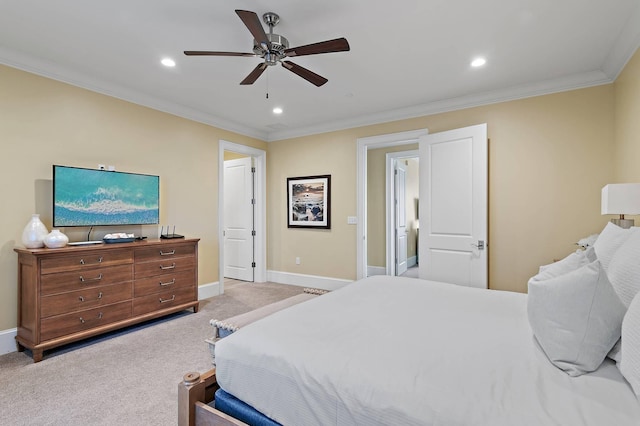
[
  {"x": 328, "y": 253},
  {"x": 627, "y": 124},
  {"x": 549, "y": 156},
  {"x": 45, "y": 122}
]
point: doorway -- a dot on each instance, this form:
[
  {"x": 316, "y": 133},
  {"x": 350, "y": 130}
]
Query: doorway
[
  {"x": 399, "y": 141},
  {"x": 402, "y": 199},
  {"x": 259, "y": 162},
  {"x": 453, "y": 185}
]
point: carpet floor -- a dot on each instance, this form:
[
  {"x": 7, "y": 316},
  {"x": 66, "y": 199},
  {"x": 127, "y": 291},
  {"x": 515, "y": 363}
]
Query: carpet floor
[{"x": 127, "y": 377}]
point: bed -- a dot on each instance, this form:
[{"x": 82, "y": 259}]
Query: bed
[{"x": 390, "y": 350}]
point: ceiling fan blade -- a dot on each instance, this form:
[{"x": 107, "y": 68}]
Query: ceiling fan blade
[
  {"x": 208, "y": 53},
  {"x": 254, "y": 26},
  {"x": 310, "y": 76},
  {"x": 257, "y": 72},
  {"x": 329, "y": 46}
]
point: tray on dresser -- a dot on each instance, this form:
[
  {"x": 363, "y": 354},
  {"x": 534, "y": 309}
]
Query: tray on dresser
[{"x": 118, "y": 240}]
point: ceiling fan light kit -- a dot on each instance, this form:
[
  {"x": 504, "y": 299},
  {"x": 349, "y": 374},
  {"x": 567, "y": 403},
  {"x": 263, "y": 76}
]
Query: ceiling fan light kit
[{"x": 274, "y": 48}]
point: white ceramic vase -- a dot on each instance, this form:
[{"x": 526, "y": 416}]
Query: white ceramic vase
[
  {"x": 55, "y": 239},
  {"x": 34, "y": 233}
]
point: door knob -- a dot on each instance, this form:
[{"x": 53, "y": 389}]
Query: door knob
[{"x": 480, "y": 245}]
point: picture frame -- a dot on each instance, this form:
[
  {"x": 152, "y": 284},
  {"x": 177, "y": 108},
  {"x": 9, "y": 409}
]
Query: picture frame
[{"x": 309, "y": 202}]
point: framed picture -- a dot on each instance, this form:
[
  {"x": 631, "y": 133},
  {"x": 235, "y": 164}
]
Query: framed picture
[{"x": 309, "y": 202}]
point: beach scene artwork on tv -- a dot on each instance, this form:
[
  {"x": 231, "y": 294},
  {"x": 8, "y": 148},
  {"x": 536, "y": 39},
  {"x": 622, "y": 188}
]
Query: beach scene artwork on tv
[{"x": 86, "y": 197}]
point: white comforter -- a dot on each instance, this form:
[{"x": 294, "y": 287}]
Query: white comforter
[{"x": 402, "y": 351}]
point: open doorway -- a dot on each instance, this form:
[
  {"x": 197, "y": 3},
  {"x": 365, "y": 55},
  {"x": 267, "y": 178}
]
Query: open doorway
[
  {"x": 402, "y": 200},
  {"x": 370, "y": 219},
  {"x": 244, "y": 160}
]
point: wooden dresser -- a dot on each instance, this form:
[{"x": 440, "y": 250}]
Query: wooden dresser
[{"x": 75, "y": 292}]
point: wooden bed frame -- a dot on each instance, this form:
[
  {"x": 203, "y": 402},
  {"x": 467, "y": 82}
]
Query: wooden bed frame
[{"x": 194, "y": 393}]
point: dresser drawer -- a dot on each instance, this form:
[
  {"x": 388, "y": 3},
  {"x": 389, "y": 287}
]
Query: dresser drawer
[
  {"x": 77, "y": 280},
  {"x": 164, "y": 266},
  {"x": 84, "y": 299},
  {"x": 84, "y": 260},
  {"x": 167, "y": 282},
  {"x": 164, "y": 300},
  {"x": 162, "y": 252},
  {"x": 62, "y": 325}
]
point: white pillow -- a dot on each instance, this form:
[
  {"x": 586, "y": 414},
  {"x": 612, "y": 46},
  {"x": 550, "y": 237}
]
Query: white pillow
[
  {"x": 624, "y": 269},
  {"x": 570, "y": 263},
  {"x": 630, "y": 350},
  {"x": 608, "y": 242},
  {"x": 576, "y": 318}
]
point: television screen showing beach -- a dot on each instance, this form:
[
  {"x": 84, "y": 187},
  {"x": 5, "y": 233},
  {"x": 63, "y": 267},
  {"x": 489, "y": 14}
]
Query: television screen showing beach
[{"x": 85, "y": 197}]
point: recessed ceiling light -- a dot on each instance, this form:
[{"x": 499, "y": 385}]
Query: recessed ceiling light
[
  {"x": 168, "y": 62},
  {"x": 478, "y": 62},
  {"x": 277, "y": 110}
]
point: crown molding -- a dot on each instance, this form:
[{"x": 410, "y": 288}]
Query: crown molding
[
  {"x": 573, "y": 82},
  {"x": 65, "y": 75},
  {"x": 628, "y": 41}
]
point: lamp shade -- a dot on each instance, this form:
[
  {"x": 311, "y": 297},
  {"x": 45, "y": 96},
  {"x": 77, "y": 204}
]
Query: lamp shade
[{"x": 621, "y": 198}]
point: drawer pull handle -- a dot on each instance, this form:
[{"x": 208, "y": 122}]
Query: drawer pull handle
[
  {"x": 173, "y": 265},
  {"x": 82, "y": 299},
  {"x": 169, "y": 253},
  {"x": 173, "y": 281},
  {"x": 82, "y": 262},
  {"x": 82, "y": 320},
  {"x": 86, "y": 280},
  {"x": 168, "y": 300}
]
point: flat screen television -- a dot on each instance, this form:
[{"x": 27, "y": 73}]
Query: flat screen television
[{"x": 88, "y": 197}]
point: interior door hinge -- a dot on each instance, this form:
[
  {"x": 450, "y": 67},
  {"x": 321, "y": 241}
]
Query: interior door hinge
[
  {"x": 253, "y": 170},
  {"x": 253, "y": 233},
  {"x": 253, "y": 201},
  {"x": 253, "y": 264}
]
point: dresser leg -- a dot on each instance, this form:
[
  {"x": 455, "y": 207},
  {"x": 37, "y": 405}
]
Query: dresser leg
[
  {"x": 19, "y": 347},
  {"x": 195, "y": 308},
  {"x": 37, "y": 355}
]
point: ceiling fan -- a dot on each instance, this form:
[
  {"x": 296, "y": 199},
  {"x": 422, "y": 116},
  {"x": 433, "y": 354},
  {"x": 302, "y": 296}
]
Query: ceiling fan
[{"x": 274, "y": 48}]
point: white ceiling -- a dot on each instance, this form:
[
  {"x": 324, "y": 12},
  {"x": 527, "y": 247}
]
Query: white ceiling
[{"x": 408, "y": 57}]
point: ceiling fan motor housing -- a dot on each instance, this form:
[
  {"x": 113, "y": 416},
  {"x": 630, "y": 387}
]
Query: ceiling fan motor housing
[{"x": 278, "y": 45}]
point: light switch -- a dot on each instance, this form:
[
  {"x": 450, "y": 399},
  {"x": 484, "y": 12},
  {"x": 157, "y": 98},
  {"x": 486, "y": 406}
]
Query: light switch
[{"x": 352, "y": 220}]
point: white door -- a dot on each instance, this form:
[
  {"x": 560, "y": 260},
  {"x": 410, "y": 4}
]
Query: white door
[
  {"x": 401, "y": 217},
  {"x": 238, "y": 219},
  {"x": 453, "y": 206}
]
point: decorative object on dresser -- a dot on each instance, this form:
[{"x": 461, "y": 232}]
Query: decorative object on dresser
[
  {"x": 55, "y": 239},
  {"x": 76, "y": 292},
  {"x": 34, "y": 233},
  {"x": 621, "y": 199}
]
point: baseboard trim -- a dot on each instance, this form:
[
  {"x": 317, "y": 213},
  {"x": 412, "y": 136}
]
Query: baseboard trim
[
  {"x": 381, "y": 270},
  {"x": 8, "y": 341},
  {"x": 206, "y": 291},
  {"x": 376, "y": 270},
  {"x": 302, "y": 280}
]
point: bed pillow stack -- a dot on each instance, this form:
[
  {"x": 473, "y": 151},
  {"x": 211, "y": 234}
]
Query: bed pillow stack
[
  {"x": 575, "y": 316},
  {"x": 576, "y": 306}
]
